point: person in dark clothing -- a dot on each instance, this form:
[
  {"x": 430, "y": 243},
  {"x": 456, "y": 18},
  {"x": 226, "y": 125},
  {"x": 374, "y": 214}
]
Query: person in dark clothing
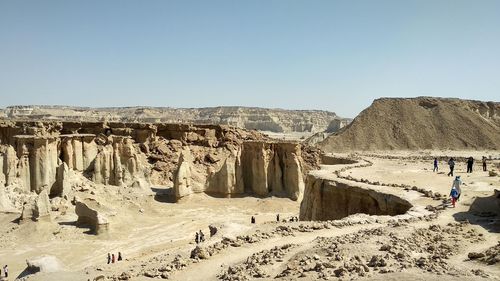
[
  {"x": 484, "y": 163},
  {"x": 119, "y": 256},
  {"x": 278, "y": 217},
  {"x": 202, "y": 236},
  {"x": 6, "y": 271},
  {"x": 435, "y": 165},
  {"x": 470, "y": 162},
  {"x": 451, "y": 163},
  {"x": 252, "y": 220},
  {"x": 197, "y": 238},
  {"x": 109, "y": 258}
]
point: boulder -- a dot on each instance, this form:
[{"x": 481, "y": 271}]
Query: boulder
[
  {"x": 44, "y": 264},
  {"x": 90, "y": 213},
  {"x": 36, "y": 210}
]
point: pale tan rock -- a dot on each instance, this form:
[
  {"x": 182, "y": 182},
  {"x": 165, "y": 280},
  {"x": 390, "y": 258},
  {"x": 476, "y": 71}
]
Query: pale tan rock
[{"x": 91, "y": 213}]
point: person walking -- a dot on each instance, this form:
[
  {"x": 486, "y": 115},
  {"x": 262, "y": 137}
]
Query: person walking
[
  {"x": 6, "y": 271},
  {"x": 278, "y": 217},
  {"x": 451, "y": 163},
  {"x": 112, "y": 258},
  {"x": 484, "y": 163},
  {"x": 252, "y": 220},
  {"x": 197, "y": 237},
  {"x": 119, "y": 256},
  {"x": 470, "y": 162},
  {"x": 436, "y": 168},
  {"x": 456, "y": 184},
  {"x": 109, "y": 258},
  {"x": 454, "y": 196}
]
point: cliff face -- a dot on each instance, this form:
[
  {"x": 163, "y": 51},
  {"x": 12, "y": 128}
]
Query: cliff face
[
  {"x": 256, "y": 167},
  {"x": 335, "y": 199},
  {"x": 38, "y": 156},
  {"x": 420, "y": 123},
  {"x": 275, "y": 120}
]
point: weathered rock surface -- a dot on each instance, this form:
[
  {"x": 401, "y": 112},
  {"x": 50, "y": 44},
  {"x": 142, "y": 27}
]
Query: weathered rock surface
[
  {"x": 44, "y": 264},
  {"x": 39, "y": 209},
  {"x": 92, "y": 214},
  {"x": 275, "y": 120},
  {"x": 334, "y": 199}
]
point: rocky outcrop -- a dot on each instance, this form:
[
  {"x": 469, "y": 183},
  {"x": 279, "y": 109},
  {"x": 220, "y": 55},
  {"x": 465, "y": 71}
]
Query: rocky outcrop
[
  {"x": 44, "y": 264},
  {"x": 221, "y": 160},
  {"x": 36, "y": 210},
  {"x": 251, "y": 118},
  {"x": 91, "y": 213},
  {"x": 257, "y": 167},
  {"x": 334, "y": 199}
]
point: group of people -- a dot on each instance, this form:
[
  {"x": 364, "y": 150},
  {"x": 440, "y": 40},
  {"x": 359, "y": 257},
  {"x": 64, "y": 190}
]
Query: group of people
[
  {"x": 199, "y": 237},
  {"x": 451, "y": 164},
  {"x": 112, "y": 258},
  {"x": 455, "y": 188},
  {"x": 5, "y": 271}
]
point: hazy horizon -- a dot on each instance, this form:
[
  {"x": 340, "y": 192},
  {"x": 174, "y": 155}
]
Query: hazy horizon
[{"x": 303, "y": 55}]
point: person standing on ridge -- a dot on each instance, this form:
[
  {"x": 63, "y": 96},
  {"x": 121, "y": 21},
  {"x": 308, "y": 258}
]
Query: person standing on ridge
[
  {"x": 435, "y": 165},
  {"x": 470, "y": 163},
  {"x": 278, "y": 217},
  {"x": 451, "y": 163}
]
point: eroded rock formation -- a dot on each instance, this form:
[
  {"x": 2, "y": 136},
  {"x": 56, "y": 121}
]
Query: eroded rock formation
[
  {"x": 56, "y": 157},
  {"x": 91, "y": 213},
  {"x": 334, "y": 199},
  {"x": 275, "y": 120}
]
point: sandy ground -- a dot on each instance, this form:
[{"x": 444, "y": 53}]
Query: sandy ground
[{"x": 150, "y": 231}]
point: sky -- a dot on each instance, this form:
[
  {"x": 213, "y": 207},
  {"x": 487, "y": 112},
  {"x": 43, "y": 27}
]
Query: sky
[{"x": 310, "y": 54}]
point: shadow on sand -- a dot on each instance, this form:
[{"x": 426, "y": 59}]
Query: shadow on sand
[
  {"x": 484, "y": 211},
  {"x": 164, "y": 194}
]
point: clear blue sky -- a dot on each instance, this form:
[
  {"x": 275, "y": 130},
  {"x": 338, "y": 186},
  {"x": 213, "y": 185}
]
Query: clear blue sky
[{"x": 332, "y": 55}]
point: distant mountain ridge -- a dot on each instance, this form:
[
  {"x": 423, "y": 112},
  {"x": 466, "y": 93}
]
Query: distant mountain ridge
[
  {"x": 265, "y": 119},
  {"x": 420, "y": 123}
]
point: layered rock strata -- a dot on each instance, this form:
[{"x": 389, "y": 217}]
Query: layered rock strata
[{"x": 330, "y": 199}]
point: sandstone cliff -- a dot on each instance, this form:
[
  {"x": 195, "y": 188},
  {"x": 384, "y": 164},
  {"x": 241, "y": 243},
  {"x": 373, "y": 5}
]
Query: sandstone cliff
[
  {"x": 274, "y": 120},
  {"x": 58, "y": 158},
  {"x": 420, "y": 123}
]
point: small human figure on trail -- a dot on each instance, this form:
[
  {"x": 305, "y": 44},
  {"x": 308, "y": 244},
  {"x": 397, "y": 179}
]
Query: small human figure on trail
[
  {"x": 6, "y": 271},
  {"x": 456, "y": 184},
  {"x": 470, "y": 162},
  {"x": 278, "y": 217},
  {"x": 252, "y": 220},
  {"x": 451, "y": 163},
  {"x": 202, "y": 236},
  {"x": 435, "y": 165},
  {"x": 109, "y": 258},
  {"x": 119, "y": 256},
  {"x": 484, "y": 163},
  {"x": 112, "y": 258},
  {"x": 454, "y": 196},
  {"x": 197, "y": 238}
]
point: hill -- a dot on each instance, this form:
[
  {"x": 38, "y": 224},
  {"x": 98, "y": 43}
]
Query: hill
[{"x": 420, "y": 123}]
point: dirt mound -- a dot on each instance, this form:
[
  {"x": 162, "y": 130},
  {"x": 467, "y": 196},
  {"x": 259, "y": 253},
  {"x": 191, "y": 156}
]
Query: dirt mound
[{"x": 421, "y": 123}]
